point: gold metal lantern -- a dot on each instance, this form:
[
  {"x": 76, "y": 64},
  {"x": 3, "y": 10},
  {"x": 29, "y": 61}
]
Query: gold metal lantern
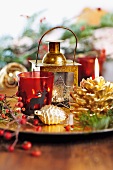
[{"x": 65, "y": 71}]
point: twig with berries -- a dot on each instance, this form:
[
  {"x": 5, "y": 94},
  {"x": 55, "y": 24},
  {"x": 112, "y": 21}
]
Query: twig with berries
[{"x": 11, "y": 115}]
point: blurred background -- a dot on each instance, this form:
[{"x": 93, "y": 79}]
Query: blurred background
[
  {"x": 23, "y": 22},
  {"x": 11, "y": 11}
]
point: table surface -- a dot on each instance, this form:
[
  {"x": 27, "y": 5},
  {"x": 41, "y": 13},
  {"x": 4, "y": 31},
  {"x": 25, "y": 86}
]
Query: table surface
[{"x": 85, "y": 152}]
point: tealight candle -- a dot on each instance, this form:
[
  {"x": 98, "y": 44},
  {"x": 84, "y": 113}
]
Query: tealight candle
[{"x": 96, "y": 68}]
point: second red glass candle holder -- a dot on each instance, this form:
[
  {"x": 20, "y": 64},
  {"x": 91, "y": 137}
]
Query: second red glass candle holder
[{"x": 87, "y": 62}]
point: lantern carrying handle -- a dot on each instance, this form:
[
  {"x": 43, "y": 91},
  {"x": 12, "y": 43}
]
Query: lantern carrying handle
[{"x": 52, "y": 30}]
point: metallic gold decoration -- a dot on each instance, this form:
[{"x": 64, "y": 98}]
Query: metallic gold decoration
[
  {"x": 50, "y": 114},
  {"x": 8, "y": 75},
  {"x": 54, "y": 56},
  {"x": 93, "y": 95},
  {"x": 68, "y": 67},
  {"x": 55, "y": 61}
]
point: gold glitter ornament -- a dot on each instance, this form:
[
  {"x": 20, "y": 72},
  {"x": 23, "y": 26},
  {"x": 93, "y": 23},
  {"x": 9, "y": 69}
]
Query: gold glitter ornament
[
  {"x": 50, "y": 114},
  {"x": 93, "y": 95}
]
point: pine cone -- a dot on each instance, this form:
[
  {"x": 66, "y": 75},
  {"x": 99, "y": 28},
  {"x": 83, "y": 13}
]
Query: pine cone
[{"x": 95, "y": 96}]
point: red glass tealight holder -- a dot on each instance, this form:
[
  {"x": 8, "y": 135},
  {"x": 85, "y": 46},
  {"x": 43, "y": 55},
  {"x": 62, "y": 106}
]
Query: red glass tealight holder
[
  {"x": 35, "y": 88},
  {"x": 87, "y": 62}
]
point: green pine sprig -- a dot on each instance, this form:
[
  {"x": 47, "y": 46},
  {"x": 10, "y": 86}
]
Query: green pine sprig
[{"x": 96, "y": 121}]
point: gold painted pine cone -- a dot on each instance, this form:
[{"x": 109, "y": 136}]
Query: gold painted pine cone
[
  {"x": 50, "y": 114},
  {"x": 92, "y": 95}
]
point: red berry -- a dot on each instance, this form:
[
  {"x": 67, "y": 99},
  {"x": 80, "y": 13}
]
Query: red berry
[
  {"x": 23, "y": 121},
  {"x": 19, "y": 104},
  {"x": 36, "y": 153},
  {"x": 68, "y": 127},
  {"x": 24, "y": 116},
  {"x": 7, "y": 110},
  {"x": 10, "y": 148},
  {"x": 23, "y": 109},
  {"x": 26, "y": 145},
  {"x": 99, "y": 9},
  {"x": 19, "y": 99},
  {"x": 35, "y": 121},
  {"x": 39, "y": 128},
  {"x": 40, "y": 20},
  {"x": 72, "y": 126},
  {"x": 8, "y": 135},
  {"x": 2, "y": 97},
  {"x": 3, "y": 115},
  {"x": 82, "y": 28},
  {"x": 1, "y": 132}
]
